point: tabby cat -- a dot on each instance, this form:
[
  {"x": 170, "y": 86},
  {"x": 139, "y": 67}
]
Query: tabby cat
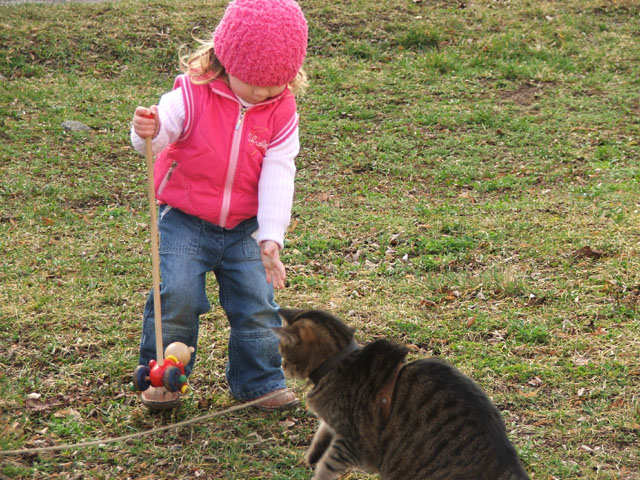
[{"x": 406, "y": 421}]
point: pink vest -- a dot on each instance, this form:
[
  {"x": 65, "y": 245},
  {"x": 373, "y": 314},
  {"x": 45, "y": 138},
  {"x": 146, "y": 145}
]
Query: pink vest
[{"x": 212, "y": 170}]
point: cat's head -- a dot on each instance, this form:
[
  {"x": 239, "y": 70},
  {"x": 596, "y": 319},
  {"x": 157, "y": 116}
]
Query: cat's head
[{"x": 308, "y": 338}]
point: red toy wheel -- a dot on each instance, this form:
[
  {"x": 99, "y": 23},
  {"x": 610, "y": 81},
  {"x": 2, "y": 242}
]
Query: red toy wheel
[{"x": 141, "y": 378}]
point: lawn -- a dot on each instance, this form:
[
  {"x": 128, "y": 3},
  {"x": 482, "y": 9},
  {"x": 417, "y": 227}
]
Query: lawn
[{"x": 468, "y": 184}]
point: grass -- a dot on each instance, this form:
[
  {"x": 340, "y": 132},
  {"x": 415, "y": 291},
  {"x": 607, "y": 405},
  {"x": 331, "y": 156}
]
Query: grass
[{"x": 456, "y": 159}]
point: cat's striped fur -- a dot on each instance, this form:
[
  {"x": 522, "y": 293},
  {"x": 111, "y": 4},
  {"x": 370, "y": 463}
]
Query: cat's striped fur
[{"x": 422, "y": 420}]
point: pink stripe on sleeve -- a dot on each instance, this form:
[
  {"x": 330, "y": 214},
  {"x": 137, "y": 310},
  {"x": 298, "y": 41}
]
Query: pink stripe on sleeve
[{"x": 285, "y": 132}]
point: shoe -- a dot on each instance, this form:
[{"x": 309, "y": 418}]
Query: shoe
[
  {"x": 284, "y": 399},
  {"x": 159, "y": 398}
]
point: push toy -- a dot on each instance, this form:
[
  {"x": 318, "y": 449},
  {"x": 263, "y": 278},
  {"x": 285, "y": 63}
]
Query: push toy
[
  {"x": 166, "y": 370},
  {"x": 170, "y": 374}
]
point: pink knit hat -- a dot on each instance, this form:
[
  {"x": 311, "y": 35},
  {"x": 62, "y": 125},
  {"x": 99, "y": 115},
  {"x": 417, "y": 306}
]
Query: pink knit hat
[{"x": 262, "y": 42}]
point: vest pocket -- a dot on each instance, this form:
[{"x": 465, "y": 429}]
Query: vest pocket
[
  {"x": 174, "y": 189},
  {"x": 165, "y": 179}
]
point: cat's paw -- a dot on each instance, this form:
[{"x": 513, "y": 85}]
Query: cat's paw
[{"x": 322, "y": 473}]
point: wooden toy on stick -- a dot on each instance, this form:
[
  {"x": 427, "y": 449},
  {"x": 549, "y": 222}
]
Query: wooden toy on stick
[
  {"x": 167, "y": 370},
  {"x": 169, "y": 374}
]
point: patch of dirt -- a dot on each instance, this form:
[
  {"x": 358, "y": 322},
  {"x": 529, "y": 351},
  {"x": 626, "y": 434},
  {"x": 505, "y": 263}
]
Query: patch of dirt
[{"x": 526, "y": 94}]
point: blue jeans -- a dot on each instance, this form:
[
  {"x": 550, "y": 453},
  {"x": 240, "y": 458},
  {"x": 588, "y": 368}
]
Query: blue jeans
[{"x": 191, "y": 247}]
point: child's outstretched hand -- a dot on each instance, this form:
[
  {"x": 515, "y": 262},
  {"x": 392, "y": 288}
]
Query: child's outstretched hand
[
  {"x": 145, "y": 121},
  {"x": 270, "y": 254}
]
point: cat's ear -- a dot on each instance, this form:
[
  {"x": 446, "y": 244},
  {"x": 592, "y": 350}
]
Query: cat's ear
[
  {"x": 288, "y": 314},
  {"x": 286, "y": 338}
]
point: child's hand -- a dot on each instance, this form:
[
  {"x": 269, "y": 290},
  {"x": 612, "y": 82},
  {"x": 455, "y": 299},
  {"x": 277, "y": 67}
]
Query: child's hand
[
  {"x": 145, "y": 122},
  {"x": 270, "y": 254}
]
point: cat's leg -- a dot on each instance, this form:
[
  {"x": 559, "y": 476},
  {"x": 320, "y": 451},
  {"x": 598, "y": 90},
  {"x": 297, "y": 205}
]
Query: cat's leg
[
  {"x": 319, "y": 444},
  {"x": 339, "y": 458}
]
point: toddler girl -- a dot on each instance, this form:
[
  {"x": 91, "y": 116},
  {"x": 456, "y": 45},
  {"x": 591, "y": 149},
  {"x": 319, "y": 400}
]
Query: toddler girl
[{"x": 226, "y": 138}]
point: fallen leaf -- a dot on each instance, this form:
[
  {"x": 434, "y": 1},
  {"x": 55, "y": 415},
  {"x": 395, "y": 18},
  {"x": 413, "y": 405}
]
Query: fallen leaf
[
  {"x": 67, "y": 412},
  {"x": 428, "y": 303},
  {"x": 535, "y": 382},
  {"x": 495, "y": 336},
  {"x": 38, "y": 405},
  {"x": 587, "y": 252},
  {"x": 14, "y": 428},
  {"x": 287, "y": 423},
  {"x": 618, "y": 402},
  {"x": 534, "y": 300},
  {"x": 467, "y": 195}
]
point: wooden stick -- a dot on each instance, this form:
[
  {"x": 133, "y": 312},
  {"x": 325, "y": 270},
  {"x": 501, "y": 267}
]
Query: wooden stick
[{"x": 155, "y": 255}]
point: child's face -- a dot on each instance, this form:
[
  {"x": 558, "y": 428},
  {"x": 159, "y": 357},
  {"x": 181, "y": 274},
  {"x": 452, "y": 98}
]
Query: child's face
[{"x": 252, "y": 93}]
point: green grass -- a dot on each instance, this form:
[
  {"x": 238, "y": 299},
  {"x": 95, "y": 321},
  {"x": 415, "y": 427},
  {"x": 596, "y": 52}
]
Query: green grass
[{"x": 455, "y": 156}]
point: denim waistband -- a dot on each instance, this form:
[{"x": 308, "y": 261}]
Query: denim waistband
[{"x": 246, "y": 226}]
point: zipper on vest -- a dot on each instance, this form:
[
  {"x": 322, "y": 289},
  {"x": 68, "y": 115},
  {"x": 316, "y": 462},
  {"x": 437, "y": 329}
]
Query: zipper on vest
[
  {"x": 166, "y": 177},
  {"x": 231, "y": 169}
]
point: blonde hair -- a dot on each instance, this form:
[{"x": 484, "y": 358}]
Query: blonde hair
[{"x": 202, "y": 66}]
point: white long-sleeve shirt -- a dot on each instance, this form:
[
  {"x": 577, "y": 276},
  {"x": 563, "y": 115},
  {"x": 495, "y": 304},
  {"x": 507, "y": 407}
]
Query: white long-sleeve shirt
[{"x": 276, "y": 184}]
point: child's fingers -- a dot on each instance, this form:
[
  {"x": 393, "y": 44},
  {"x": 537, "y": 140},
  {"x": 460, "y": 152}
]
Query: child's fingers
[
  {"x": 144, "y": 112},
  {"x": 278, "y": 275},
  {"x": 145, "y": 121},
  {"x": 274, "y": 268},
  {"x": 283, "y": 277},
  {"x": 275, "y": 273}
]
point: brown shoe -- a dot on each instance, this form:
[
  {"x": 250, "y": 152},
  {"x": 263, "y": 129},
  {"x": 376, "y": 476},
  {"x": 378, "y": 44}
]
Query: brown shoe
[
  {"x": 281, "y": 399},
  {"x": 159, "y": 398}
]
